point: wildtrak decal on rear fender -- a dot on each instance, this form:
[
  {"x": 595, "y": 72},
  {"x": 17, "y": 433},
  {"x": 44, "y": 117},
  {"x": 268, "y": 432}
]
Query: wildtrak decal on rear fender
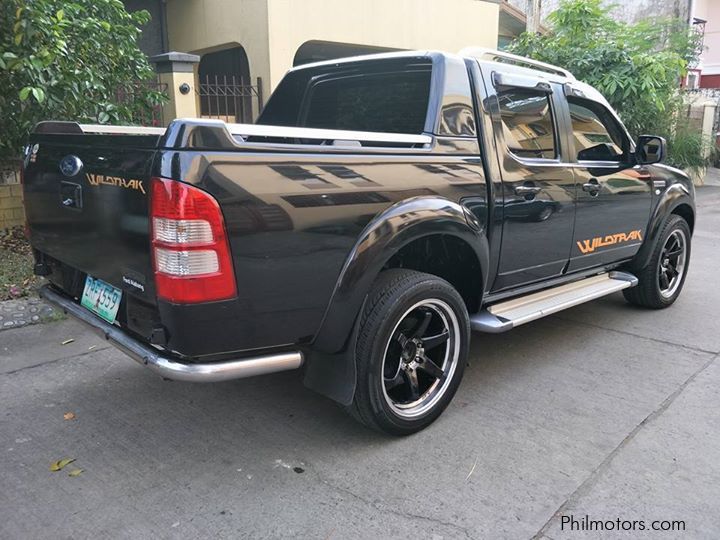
[
  {"x": 126, "y": 183},
  {"x": 588, "y": 246}
]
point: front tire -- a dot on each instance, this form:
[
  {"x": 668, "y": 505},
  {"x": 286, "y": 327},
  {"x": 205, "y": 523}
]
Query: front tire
[
  {"x": 411, "y": 351},
  {"x": 662, "y": 279}
]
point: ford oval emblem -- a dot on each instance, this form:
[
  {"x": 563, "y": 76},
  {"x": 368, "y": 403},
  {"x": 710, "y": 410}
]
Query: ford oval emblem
[{"x": 70, "y": 165}]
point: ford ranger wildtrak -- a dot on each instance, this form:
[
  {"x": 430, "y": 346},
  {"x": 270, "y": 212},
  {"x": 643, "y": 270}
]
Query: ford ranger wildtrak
[{"x": 380, "y": 209}]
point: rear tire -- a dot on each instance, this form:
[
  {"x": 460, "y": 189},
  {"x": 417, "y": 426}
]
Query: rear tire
[
  {"x": 411, "y": 351},
  {"x": 661, "y": 280}
]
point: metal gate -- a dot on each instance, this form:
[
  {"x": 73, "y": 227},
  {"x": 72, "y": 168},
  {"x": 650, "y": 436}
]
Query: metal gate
[
  {"x": 144, "y": 113},
  {"x": 229, "y": 98}
]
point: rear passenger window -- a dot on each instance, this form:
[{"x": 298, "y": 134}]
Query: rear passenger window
[
  {"x": 597, "y": 135},
  {"x": 528, "y": 123}
]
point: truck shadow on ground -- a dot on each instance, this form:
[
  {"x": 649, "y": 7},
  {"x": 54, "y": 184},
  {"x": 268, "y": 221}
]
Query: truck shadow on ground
[
  {"x": 278, "y": 410},
  {"x": 274, "y": 407}
]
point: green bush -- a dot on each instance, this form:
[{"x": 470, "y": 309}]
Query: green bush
[
  {"x": 689, "y": 149},
  {"x": 637, "y": 67},
  {"x": 70, "y": 60}
]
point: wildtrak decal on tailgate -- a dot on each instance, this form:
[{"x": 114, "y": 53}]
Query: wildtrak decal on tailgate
[
  {"x": 588, "y": 246},
  {"x": 126, "y": 183}
]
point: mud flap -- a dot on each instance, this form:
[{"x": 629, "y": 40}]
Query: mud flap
[{"x": 334, "y": 375}]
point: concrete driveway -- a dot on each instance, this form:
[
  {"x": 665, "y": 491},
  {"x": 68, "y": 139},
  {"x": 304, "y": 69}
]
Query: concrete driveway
[{"x": 604, "y": 411}]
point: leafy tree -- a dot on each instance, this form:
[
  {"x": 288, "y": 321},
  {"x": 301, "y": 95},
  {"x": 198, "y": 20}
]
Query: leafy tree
[
  {"x": 70, "y": 60},
  {"x": 637, "y": 67}
]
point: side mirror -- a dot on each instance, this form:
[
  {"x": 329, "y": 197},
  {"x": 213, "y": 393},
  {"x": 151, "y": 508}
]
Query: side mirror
[{"x": 650, "y": 149}]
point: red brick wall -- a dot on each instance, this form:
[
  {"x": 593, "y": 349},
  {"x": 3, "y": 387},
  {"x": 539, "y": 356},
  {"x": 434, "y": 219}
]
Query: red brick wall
[{"x": 709, "y": 81}]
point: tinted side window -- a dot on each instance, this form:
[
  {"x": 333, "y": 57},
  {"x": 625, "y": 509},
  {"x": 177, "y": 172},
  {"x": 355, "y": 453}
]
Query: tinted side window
[
  {"x": 596, "y": 133},
  {"x": 386, "y": 102},
  {"x": 527, "y": 123}
]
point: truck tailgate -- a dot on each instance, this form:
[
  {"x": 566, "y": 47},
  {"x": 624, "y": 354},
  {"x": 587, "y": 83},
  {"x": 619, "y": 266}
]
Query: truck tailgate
[{"x": 86, "y": 200}]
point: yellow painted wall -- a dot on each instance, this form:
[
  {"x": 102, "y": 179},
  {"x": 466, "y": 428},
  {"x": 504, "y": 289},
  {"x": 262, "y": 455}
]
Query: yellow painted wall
[
  {"x": 179, "y": 106},
  {"x": 271, "y": 31},
  {"x": 201, "y": 26},
  {"x": 446, "y": 25}
]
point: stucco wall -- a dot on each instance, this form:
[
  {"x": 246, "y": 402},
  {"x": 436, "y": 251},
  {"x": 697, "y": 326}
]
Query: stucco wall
[
  {"x": 200, "y": 26},
  {"x": 271, "y": 31},
  {"x": 447, "y": 25}
]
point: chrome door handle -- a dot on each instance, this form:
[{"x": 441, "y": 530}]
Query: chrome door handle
[
  {"x": 592, "y": 186},
  {"x": 527, "y": 190}
]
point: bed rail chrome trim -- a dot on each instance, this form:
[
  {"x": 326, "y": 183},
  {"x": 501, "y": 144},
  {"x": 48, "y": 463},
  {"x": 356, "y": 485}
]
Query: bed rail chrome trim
[
  {"x": 121, "y": 130},
  {"x": 337, "y": 137},
  {"x": 171, "y": 368},
  {"x": 258, "y": 130}
]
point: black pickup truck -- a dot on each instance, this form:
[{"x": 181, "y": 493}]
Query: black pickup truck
[{"x": 380, "y": 209}]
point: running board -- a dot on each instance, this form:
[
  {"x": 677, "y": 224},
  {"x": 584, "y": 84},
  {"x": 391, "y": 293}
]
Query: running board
[{"x": 506, "y": 315}]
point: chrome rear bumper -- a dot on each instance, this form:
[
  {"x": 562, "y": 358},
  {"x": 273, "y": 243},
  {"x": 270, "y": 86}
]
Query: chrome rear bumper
[{"x": 169, "y": 367}]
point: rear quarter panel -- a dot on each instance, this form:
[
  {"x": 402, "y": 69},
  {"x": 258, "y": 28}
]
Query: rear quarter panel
[{"x": 293, "y": 221}]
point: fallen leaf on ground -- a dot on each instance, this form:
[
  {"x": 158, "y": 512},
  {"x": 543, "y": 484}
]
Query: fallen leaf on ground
[
  {"x": 471, "y": 470},
  {"x": 61, "y": 464},
  {"x": 68, "y": 341},
  {"x": 69, "y": 416},
  {"x": 75, "y": 472}
]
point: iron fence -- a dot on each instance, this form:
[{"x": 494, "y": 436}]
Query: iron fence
[
  {"x": 229, "y": 98},
  {"x": 144, "y": 113}
]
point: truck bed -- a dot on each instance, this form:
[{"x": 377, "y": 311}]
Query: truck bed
[{"x": 296, "y": 191}]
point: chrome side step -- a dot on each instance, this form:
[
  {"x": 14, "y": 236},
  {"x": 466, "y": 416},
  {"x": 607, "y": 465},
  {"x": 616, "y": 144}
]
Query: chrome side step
[{"x": 506, "y": 315}]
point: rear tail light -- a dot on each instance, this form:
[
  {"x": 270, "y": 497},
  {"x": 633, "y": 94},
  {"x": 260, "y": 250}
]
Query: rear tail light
[
  {"x": 182, "y": 231},
  {"x": 186, "y": 263},
  {"x": 191, "y": 253}
]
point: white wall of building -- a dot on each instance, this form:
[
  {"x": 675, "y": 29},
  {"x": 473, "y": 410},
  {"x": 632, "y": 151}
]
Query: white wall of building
[{"x": 709, "y": 10}]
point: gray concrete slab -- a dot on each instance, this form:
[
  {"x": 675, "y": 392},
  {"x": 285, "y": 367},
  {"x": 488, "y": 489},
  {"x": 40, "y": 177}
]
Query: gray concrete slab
[
  {"x": 712, "y": 177},
  {"x": 582, "y": 412},
  {"x": 39, "y": 344},
  {"x": 664, "y": 471}
]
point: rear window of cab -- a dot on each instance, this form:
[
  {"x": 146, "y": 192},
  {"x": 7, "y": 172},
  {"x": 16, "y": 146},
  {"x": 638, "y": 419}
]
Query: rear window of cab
[{"x": 388, "y": 97}]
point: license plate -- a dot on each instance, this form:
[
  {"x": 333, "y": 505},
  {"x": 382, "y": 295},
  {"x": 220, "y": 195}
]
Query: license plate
[{"x": 101, "y": 298}]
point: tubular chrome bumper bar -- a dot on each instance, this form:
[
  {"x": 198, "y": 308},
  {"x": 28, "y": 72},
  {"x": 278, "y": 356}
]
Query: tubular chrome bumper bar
[{"x": 168, "y": 367}]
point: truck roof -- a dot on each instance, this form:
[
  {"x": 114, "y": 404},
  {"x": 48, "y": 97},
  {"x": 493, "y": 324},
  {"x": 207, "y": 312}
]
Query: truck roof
[
  {"x": 503, "y": 60},
  {"x": 478, "y": 53}
]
